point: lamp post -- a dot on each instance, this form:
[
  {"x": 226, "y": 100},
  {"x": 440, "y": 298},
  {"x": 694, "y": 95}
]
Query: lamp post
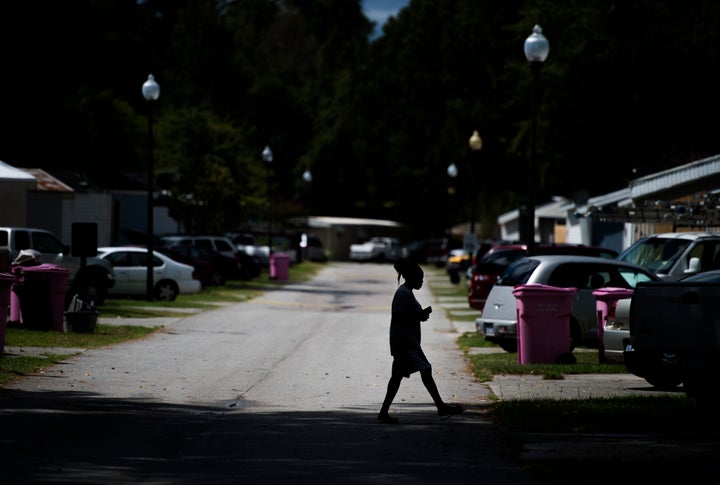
[
  {"x": 267, "y": 157},
  {"x": 536, "y": 51},
  {"x": 452, "y": 172},
  {"x": 151, "y": 92},
  {"x": 475, "y": 143},
  {"x": 307, "y": 180}
]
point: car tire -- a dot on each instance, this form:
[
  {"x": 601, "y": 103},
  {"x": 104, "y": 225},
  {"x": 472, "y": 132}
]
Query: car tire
[
  {"x": 508, "y": 345},
  {"x": 217, "y": 279},
  {"x": 166, "y": 290}
]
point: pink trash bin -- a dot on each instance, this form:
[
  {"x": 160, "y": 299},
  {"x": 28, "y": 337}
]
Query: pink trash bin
[
  {"x": 606, "y": 302},
  {"x": 6, "y": 281},
  {"x": 279, "y": 266},
  {"x": 543, "y": 316},
  {"x": 39, "y": 295}
]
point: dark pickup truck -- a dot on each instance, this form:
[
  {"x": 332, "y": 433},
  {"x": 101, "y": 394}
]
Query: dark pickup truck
[{"x": 675, "y": 330}]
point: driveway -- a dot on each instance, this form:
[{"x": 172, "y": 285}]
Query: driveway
[{"x": 282, "y": 389}]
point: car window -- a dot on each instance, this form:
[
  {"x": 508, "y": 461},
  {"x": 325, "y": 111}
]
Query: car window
[
  {"x": 497, "y": 261},
  {"x": 47, "y": 243},
  {"x": 119, "y": 259},
  {"x": 22, "y": 240},
  {"x": 631, "y": 278},
  {"x": 656, "y": 254},
  {"x": 204, "y": 243},
  {"x": 518, "y": 272},
  {"x": 572, "y": 276},
  {"x": 222, "y": 245},
  {"x": 708, "y": 252}
]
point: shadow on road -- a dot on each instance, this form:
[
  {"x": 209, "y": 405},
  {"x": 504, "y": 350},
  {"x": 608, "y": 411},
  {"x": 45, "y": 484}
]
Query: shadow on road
[{"x": 57, "y": 437}]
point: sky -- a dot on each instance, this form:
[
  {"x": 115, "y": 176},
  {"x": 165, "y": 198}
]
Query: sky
[{"x": 379, "y": 10}]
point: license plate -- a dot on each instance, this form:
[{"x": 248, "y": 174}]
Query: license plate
[{"x": 489, "y": 330}]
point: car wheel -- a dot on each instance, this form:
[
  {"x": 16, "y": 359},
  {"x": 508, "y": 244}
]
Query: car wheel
[
  {"x": 166, "y": 290},
  {"x": 508, "y": 345},
  {"x": 664, "y": 381},
  {"x": 574, "y": 334},
  {"x": 217, "y": 279}
]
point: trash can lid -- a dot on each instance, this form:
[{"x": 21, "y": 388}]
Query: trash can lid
[
  {"x": 613, "y": 291},
  {"x": 44, "y": 268},
  {"x": 537, "y": 289}
]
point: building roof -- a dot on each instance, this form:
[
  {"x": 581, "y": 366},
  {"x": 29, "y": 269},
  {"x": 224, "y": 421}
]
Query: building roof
[
  {"x": 46, "y": 182},
  {"x": 10, "y": 173},
  {"x": 320, "y": 221}
]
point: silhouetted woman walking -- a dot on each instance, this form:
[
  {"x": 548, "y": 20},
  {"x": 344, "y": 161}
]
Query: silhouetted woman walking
[{"x": 408, "y": 356}]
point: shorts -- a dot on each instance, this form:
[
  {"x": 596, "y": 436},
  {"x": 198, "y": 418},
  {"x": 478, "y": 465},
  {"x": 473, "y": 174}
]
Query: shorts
[{"x": 408, "y": 361}]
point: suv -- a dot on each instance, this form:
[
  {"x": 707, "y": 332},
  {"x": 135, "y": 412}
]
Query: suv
[
  {"x": 220, "y": 244},
  {"x": 674, "y": 255},
  {"x": 90, "y": 282},
  {"x": 488, "y": 269}
]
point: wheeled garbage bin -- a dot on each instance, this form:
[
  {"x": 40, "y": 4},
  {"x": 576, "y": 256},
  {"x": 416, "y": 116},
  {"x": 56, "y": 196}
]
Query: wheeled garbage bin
[
  {"x": 543, "y": 316},
  {"x": 6, "y": 281},
  {"x": 279, "y": 265},
  {"x": 606, "y": 301},
  {"x": 39, "y": 295}
]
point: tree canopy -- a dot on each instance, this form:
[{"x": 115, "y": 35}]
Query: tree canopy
[{"x": 627, "y": 88}]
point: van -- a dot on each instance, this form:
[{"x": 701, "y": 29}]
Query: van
[
  {"x": 674, "y": 255},
  {"x": 90, "y": 282}
]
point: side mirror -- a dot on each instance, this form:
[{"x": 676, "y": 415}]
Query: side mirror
[{"x": 693, "y": 266}]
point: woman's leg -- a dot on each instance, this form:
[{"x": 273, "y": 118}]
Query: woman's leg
[
  {"x": 430, "y": 385},
  {"x": 443, "y": 409},
  {"x": 392, "y": 389}
]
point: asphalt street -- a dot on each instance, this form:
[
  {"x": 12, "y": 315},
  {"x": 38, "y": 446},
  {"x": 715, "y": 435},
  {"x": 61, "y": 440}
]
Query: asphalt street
[{"x": 282, "y": 389}]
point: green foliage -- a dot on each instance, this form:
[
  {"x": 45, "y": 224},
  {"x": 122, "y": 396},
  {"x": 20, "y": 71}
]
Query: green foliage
[{"x": 628, "y": 84}]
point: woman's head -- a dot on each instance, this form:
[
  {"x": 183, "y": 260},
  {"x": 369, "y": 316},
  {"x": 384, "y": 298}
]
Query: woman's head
[{"x": 411, "y": 272}]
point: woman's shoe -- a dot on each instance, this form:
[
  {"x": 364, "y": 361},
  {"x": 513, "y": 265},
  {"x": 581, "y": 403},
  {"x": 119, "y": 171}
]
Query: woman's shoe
[
  {"x": 385, "y": 418},
  {"x": 450, "y": 410}
]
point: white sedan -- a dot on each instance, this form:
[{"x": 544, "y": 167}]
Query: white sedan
[{"x": 170, "y": 278}]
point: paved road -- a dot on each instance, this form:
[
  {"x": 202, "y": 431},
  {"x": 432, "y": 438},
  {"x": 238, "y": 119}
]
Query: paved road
[{"x": 282, "y": 389}]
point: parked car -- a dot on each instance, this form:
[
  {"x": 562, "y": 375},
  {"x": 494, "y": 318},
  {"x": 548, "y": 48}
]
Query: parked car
[
  {"x": 428, "y": 251},
  {"x": 498, "y": 322},
  {"x": 211, "y": 267},
  {"x": 673, "y": 334},
  {"x": 488, "y": 268},
  {"x": 312, "y": 248},
  {"x": 90, "y": 282},
  {"x": 675, "y": 255},
  {"x": 249, "y": 268},
  {"x": 170, "y": 277},
  {"x": 378, "y": 249},
  {"x": 458, "y": 262}
]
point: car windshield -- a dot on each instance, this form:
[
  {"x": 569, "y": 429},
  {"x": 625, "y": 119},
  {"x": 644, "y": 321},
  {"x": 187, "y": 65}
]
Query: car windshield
[
  {"x": 495, "y": 262},
  {"x": 656, "y": 254},
  {"x": 518, "y": 272}
]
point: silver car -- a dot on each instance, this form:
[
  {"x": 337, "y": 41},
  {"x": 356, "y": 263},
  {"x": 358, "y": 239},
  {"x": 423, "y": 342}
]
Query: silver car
[{"x": 498, "y": 322}]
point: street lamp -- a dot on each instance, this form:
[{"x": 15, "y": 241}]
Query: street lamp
[
  {"x": 307, "y": 179},
  {"x": 151, "y": 92},
  {"x": 452, "y": 172},
  {"x": 476, "y": 144},
  {"x": 267, "y": 157},
  {"x": 536, "y": 51},
  {"x": 307, "y": 176}
]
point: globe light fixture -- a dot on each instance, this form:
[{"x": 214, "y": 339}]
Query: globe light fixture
[
  {"x": 151, "y": 93},
  {"x": 536, "y": 52}
]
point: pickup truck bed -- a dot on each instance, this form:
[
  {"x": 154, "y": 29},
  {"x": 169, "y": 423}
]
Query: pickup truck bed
[{"x": 679, "y": 323}]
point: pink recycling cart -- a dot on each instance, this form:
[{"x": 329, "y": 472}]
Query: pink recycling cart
[{"x": 543, "y": 315}]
